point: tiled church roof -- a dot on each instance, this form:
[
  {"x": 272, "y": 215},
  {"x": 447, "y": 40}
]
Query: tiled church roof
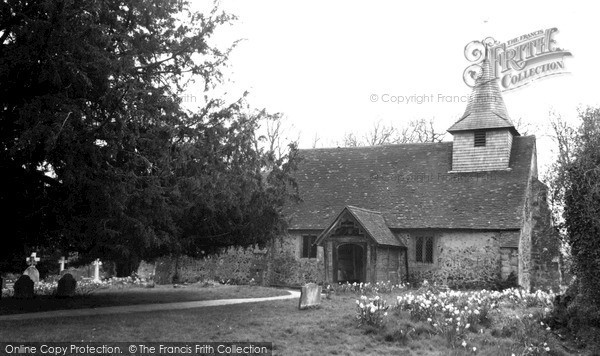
[
  {"x": 485, "y": 109},
  {"x": 410, "y": 185}
]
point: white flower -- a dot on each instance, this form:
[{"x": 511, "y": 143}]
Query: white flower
[
  {"x": 464, "y": 343},
  {"x": 474, "y": 349}
]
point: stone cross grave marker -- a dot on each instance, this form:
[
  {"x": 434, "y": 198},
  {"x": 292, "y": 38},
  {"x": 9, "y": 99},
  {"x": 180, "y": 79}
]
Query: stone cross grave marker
[
  {"x": 33, "y": 259},
  {"x": 97, "y": 264},
  {"x": 62, "y": 262},
  {"x": 310, "y": 296},
  {"x": 31, "y": 271}
]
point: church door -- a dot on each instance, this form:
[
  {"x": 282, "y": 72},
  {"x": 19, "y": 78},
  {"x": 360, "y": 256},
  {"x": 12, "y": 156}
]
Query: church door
[{"x": 350, "y": 263}]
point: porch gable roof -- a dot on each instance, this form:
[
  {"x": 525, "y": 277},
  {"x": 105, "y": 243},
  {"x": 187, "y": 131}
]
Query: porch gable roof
[{"x": 372, "y": 222}]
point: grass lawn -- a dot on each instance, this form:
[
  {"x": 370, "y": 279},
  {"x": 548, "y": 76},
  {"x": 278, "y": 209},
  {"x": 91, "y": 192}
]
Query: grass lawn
[
  {"x": 131, "y": 296},
  {"x": 331, "y": 329}
]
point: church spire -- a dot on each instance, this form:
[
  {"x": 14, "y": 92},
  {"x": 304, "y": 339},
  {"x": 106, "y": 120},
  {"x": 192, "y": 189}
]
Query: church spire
[
  {"x": 483, "y": 136},
  {"x": 485, "y": 109}
]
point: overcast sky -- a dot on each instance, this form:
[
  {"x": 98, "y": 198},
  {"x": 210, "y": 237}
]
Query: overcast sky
[{"x": 320, "y": 62}]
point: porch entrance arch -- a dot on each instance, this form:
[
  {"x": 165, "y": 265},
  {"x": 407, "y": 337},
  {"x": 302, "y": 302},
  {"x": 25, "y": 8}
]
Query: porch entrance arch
[{"x": 351, "y": 263}]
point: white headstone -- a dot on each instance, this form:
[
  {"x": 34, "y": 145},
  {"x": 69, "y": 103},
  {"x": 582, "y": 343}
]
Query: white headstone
[
  {"x": 310, "y": 296},
  {"x": 62, "y": 263},
  {"x": 97, "y": 265}
]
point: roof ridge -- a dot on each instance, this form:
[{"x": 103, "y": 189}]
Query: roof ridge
[
  {"x": 364, "y": 209},
  {"x": 377, "y": 146}
]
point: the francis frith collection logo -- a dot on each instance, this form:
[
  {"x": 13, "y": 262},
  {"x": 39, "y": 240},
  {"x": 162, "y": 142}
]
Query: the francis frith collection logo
[{"x": 517, "y": 62}]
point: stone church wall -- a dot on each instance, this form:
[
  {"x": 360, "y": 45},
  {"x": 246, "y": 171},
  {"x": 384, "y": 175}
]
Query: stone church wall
[
  {"x": 509, "y": 262},
  {"x": 545, "y": 246},
  {"x": 388, "y": 264},
  {"x": 464, "y": 259},
  {"x": 287, "y": 267},
  {"x": 279, "y": 264}
]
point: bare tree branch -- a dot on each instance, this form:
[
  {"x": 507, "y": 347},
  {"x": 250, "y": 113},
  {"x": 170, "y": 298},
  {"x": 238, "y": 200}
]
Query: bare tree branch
[
  {"x": 416, "y": 131},
  {"x": 316, "y": 140}
]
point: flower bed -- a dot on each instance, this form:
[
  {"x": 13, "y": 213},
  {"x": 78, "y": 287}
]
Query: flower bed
[
  {"x": 371, "y": 311},
  {"x": 367, "y": 288},
  {"x": 455, "y": 315}
]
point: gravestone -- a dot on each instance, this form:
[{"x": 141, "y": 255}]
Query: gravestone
[
  {"x": 23, "y": 287},
  {"x": 310, "y": 296},
  {"x": 61, "y": 262},
  {"x": 66, "y": 286},
  {"x": 31, "y": 271},
  {"x": 97, "y": 263}
]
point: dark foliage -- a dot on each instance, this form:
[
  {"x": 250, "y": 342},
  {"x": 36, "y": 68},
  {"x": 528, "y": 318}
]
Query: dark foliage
[
  {"x": 582, "y": 207},
  {"x": 97, "y": 152}
]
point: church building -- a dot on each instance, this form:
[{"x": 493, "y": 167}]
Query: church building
[{"x": 460, "y": 213}]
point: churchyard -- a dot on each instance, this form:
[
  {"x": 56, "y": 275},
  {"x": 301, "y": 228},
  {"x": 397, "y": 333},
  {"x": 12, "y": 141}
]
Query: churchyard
[{"x": 374, "y": 319}]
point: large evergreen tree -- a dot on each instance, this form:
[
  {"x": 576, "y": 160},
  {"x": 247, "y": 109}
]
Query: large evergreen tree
[
  {"x": 97, "y": 152},
  {"x": 582, "y": 206}
]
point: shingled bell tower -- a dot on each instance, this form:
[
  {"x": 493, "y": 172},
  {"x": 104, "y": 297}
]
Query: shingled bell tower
[{"x": 483, "y": 135}]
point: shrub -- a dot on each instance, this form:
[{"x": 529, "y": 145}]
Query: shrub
[
  {"x": 286, "y": 269},
  {"x": 233, "y": 266},
  {"x": 87, "y": 287}
]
